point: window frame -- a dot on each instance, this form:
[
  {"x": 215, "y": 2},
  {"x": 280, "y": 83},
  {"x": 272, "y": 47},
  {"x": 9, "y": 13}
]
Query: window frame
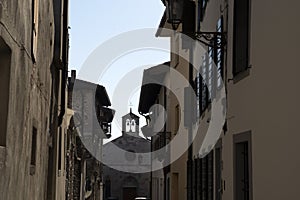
[
  {"x": 237, "y": 139},
  {"x": 240, "y": 72}
]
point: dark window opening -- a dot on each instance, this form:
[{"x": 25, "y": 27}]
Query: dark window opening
[
  {"x": 177, "y": 118},
  {"x": 218, "y": 176},
  {"x": 242, "y": 167},
  {"x": 33, "y": 146},
  {"x": 59, "y": 148},
  {"x": 207, "y": 177},
  {"x": 241, "y": 36},
  {"x": 5, "y": 65}
]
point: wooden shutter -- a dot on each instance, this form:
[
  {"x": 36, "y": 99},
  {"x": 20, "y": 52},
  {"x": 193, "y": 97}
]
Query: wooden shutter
[
  {"x": 210, "y": 175},
  {"x": 218, "y": 175},
  {"x": 241, "y": 36}
]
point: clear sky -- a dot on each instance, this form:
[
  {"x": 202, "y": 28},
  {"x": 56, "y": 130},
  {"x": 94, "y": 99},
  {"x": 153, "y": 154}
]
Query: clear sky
[{"x": 93, "y": 22}]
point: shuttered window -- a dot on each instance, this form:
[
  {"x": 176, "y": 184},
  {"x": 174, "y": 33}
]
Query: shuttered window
[
  {"x": 218, "y": 173},
  {"x": 219, "y": 53},
  {"x": 199, "y": 178},
  {"x": 210, "y": 74},
  {"x": 207, "y": 177},
  {"x": 201, "y": 10},
  {"x": 241, "y": 36},
  {"x": 210, "y": 175},
  {"x": 204, "y": 91},
  {"x": 35, "y": 27}
]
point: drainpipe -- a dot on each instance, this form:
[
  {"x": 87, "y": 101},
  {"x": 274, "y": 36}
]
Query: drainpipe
[
  {"x": 190, "y": 139},
  {"x": 65, "y": 56},
  {"x": 63, "y": 97}
]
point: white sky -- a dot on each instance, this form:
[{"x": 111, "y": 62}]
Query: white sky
[{"x": 93, "y": 22}]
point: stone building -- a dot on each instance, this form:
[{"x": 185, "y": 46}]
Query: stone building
[
  {"x": 121, "y": 163},
  {"x": 90, "y": 124},
  {"x": 33, "y": 69},
  {"x": 158, "y": 128}
]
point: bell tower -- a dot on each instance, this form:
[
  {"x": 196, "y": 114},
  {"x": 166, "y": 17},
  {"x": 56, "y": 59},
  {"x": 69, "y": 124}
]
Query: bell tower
[{"x": 130, "y": 124}]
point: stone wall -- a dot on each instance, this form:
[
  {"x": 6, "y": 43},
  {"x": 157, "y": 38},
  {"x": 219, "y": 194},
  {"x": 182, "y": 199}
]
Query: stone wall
[{"x": 29, "y": 97}]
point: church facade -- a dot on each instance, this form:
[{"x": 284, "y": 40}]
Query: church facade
[{"x": 124, "y": 158}]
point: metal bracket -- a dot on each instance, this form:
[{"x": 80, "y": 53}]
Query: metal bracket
[{"x": 211, "y": 39}]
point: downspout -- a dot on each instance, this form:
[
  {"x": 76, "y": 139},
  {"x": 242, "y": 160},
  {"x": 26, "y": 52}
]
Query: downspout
[
  {"x": 165, "y": 142},
  {"x": 65, "y": 62},
  {"x": 190, "y": 140},
  {"x": 151, "y": 149},
  {"x": 63, "y": 98}
]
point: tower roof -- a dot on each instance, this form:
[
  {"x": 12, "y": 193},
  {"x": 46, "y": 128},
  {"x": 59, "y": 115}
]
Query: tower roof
[{"x": 131, "y": 114}]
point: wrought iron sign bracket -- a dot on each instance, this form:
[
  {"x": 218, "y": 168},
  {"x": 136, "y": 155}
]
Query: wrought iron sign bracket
[{"x": 212, "y": 39}]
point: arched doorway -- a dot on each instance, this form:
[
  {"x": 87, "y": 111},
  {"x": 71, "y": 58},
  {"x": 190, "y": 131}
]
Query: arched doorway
[{"x": 129, "y": 188}]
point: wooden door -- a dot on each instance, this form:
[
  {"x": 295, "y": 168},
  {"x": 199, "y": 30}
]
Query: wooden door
[{"x": 129, "y": 193}]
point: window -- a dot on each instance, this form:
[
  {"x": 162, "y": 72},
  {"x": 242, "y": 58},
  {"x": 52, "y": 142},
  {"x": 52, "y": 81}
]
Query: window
[
  {"x": 242, "y": 167},
  {"x": 33, "y": 146},
  {"x": 177, "y": 119},
  {"x": 194, "y": 177},
  {"x": 5, "y": 62},
  {"x": 210, "y": 79},
  {"x": 210, "y": 74},
  {"x": 204, "y": 91},
  {"x": 218, "y": 171},
  {"x": 201, "y": 11},
  {"x": 198, "y": 175},
  {"x": 207, "y": 79},
  {"x": 60, "y": 157},
  {"x": 241, "y": 36},
  {"x": 198, "y": 95},
  {"x": 219, "y": 53},
  {"x": 175, "y": 186},
  {"x": 35, "y": 27},
  {"x": 204, "y": 82},
  {"x": 207, "y": 175}
]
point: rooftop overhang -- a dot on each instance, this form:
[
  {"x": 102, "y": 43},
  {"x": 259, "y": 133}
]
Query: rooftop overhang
[
  {"x": 105, "y": 115},
  {"x": 101, "y": 96},
  {"x": 151, "y": 87},
  {"x": 164, "y": 28}
]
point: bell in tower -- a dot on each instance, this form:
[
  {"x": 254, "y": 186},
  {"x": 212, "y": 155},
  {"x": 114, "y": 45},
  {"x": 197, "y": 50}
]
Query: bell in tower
[{"x": 130, "y": 124}]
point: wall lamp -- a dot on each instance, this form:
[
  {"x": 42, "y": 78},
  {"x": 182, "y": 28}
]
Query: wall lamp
[{"x": 175, "y": 10}]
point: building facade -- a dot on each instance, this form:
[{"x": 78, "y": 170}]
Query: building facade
[
  {"x": 156, "y": 128},
  {"x": 90, "y": 124},
  {"x": 244, "y": 40},
  {"x": 123, "y": 179},
  {"x": 33, "y": 57}
]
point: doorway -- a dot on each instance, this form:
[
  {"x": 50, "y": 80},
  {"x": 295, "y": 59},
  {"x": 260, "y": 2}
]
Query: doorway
[{"x": 129, "y": 193}]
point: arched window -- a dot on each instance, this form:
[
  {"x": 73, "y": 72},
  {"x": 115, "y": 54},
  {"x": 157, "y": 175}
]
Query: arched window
[
  {"x": 133, "y": 125},
  {"x": 127, "y": 127}
]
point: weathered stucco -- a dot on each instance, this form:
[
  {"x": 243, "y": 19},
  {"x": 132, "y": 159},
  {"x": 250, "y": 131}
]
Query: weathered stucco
[{"x": 29, "y": 99}]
